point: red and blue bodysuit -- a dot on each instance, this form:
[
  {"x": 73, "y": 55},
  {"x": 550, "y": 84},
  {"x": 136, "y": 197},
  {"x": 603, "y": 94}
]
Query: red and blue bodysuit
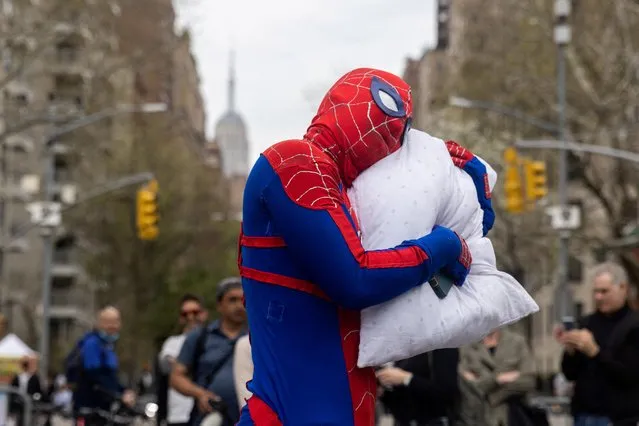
[{"x": 305, "y": 274}]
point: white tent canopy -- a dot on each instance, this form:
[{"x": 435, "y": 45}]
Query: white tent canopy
[{"x": 13, "y": 347}]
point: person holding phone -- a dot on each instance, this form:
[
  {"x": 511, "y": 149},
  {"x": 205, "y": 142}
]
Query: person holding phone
[{"x": 601, "y": 354}]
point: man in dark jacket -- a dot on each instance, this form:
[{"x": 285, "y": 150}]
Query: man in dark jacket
[
  {"x": 28, "y": 382},
  {"x": 602, "y": 355},
  {"x": 99, "y": 383},
  {"x": 422, "y": 390}
]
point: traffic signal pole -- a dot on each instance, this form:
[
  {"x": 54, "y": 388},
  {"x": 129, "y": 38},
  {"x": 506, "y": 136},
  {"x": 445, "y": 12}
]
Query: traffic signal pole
[
  {"x": 562, "y": 36},
  {"x": 49, "y": 230}
]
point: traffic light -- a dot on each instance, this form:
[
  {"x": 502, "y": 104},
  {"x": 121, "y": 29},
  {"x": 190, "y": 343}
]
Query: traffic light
[
  {"x": 536, "y": 184},
  {"x": 513, "y": 187},
  {"x": 147, "y": 212}
]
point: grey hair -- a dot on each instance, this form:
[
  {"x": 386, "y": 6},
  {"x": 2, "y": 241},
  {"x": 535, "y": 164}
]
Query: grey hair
[{"x": 616, "y": 271}]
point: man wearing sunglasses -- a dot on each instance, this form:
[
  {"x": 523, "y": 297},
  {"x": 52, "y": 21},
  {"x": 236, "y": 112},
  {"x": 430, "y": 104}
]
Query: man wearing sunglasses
[
  {"x": 192, "y": 314},
  {"x": 204, "y": 368}
]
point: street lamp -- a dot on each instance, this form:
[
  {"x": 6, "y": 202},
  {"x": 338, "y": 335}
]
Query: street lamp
[
  {"x": 460, "y": 102},
  {"x": 562, "y": 36},
  {"x": 51, "y": 208}
]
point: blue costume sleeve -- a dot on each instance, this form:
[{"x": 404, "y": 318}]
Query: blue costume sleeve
[
  {"x": 477, "y": 171},
  {"x": 325, "y": 242}
]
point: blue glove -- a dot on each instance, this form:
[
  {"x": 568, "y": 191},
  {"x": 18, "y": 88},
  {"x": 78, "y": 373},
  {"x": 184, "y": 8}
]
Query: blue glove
[
  {"x": 468, "y": 162},
  {"x": 459, "y": 269},
  {"x": 448, "y": 254}
]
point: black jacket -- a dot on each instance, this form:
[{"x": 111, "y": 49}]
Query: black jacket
[
  {"x": 33, "y": 386},
  {"x": 608, "y": 384},
  {"x": 433, "y": 391}
]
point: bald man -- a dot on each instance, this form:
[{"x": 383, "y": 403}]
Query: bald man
[{"x": 99, "y": 366}]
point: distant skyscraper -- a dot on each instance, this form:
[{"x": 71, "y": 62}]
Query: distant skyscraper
[
  {"x": 231, "y": 137},
  {"x": 230, "y": 134}
]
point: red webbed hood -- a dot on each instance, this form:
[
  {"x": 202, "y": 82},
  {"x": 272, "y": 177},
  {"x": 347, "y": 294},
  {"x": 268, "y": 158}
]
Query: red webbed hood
[{"x": 362, "y": 119}]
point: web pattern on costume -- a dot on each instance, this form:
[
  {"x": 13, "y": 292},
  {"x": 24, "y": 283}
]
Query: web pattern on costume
[
  {"x": 465, "y": 258},
  {"x": 460, "y": 155},
  {"x": 310, "y": 176},
  {"x": 357, "y": 111},
  {"x": 362, "y": 394}
]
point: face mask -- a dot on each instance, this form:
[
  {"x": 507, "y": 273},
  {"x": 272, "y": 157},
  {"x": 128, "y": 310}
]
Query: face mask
[{"x": 111, "y": 338}]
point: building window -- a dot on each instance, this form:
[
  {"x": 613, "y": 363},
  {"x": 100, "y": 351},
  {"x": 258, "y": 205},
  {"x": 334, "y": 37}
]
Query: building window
[
  {"x": 67, "y": 90},
  {"x": 62, "y": 172},
  {"x": 20, "y": 101},
  {"x": 67, "y": 51},
  {"x": 63, "y": 250},
  {"x": 62, "y": 282}
]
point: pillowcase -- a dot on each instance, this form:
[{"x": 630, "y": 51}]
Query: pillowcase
[{"x": 402, "y": 197}]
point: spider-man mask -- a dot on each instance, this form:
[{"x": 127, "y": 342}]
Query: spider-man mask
[{"x": 362, "y": 119}]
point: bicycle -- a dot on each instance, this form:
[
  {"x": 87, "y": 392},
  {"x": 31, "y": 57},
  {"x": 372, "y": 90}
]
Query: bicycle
[
  {"x": 119, "y": 414},
  {"x": 43, "y": 412},
  {"x": 219, "y": 415}
]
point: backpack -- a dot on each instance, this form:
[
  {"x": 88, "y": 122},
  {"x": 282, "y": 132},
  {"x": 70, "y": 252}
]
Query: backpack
[{"x": 73, "y": 364}]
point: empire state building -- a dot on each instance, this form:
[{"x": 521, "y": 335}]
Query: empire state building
[{"x": 231, "y": 137}]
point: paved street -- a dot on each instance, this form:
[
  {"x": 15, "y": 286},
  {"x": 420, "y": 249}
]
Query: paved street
[{"x": 554, "y": 421}]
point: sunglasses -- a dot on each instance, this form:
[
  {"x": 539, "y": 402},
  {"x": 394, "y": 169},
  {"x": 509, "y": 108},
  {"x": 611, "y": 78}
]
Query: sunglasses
[{"x": 194, "y": 312}]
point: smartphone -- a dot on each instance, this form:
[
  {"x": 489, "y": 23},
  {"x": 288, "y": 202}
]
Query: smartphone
[
  {"x": 568, "y": 323},
  {"x": 441, "y": 285}
]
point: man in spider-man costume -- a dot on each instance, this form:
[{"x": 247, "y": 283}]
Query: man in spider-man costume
[{"x": 305, "y": 274}]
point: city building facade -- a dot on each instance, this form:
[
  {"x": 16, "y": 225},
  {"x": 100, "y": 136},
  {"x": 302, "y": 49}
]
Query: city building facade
[{"x": 63, "y": 60}]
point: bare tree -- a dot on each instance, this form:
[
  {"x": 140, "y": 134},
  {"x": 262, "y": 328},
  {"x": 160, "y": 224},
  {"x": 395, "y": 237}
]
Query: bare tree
[
  {"x": 140, "y": 274},
  {"x": 516, "y": 239},
  {"x": 506, "y": 54}
]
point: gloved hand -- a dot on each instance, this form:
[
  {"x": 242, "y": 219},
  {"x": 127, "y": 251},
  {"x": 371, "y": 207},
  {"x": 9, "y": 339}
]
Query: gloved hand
[
  {"x": 448, "y": 254},
  {"x": 467, "y": 161},
  {"x": 458, "y": 267},
  {"x": 458, "y": 270}
]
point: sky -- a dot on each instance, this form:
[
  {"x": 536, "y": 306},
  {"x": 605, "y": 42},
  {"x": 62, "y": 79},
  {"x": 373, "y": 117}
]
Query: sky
[{"x": 289, "y": 52}]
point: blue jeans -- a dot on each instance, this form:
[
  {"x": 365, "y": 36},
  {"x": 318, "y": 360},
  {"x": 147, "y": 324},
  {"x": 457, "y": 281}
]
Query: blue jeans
[{"x": 589, "y": 420}]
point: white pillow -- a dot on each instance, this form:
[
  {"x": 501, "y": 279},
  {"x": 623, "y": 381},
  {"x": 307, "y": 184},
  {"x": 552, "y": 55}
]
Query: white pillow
[{"x": 402, "y": 197}]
